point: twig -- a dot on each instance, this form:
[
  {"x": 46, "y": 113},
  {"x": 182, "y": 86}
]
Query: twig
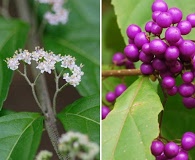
[{"x": 122, "y": 72}]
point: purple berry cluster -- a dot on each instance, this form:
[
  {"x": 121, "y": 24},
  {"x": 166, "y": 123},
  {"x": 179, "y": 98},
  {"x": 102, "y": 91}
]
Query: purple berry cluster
[
  {"x": 167, "y": 53},
  {"x": 119, "y": 59},
  {"x": 111, "y": 97},
  {"x": 173, "y": 151}
]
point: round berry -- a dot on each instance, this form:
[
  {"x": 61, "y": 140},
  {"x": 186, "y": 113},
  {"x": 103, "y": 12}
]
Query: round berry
[
  {"x": 157, "y": 148},
  {"x": 182, "y": 155},
  {"x": 146, "y": 58},
  {"x": 172, "y": 91},
  {"x": 187, "y": 142},
  {"x": 187, "y": 77},
  {"x": 164, "y": 19},
  {"x": 110, "y": 96},
  {"x": 159, "y": 64},
  {"x": 184, "y": 27},
  {"x": 155, "y": 15},
  {"x": 191, "y": 18},
  {"x": 129, "y": 65},
  {"x": 172, "y": 53},
  {"x": 168, "y": 82},
  {"x": 157, "y": 46},
  {"x": 176, "y": 67},
  {"x": 189, "y": 102},
  {"x": 186, "y": 90},
  {"x": 176, "y": 14},
  {"x": 173, "y": 34},
  {"x": 132, "y": 52},
  {"x": 146, "y": 68},
  {"x": 105, "y": 111},
  {"x": 146, "y": 48},
  {"x": 159, "y": 6},
  {"x": 148, "y": 26},
  {"x": 187, "y": 48},
  {"x": 156, "y": 29},
  {"x": 118, "y": 59},
  {"x": 140, "y": 39},
  {"x": 119, "y": 89},
  {"x": 133, "y": 30},
  {"x": 171, "y": 150}
]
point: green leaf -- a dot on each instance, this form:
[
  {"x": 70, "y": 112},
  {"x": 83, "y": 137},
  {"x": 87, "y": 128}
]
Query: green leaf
[
  {"x": 112, "y": 40},
  {"x": 139, "y": 12},
  {"x": 20, "y": 135},
  {"x": 80, "y": 38},
  {"x": 83, "y": 116},
  {"x": 130, "y": 127},
  {"x": 13, "y": 36}
]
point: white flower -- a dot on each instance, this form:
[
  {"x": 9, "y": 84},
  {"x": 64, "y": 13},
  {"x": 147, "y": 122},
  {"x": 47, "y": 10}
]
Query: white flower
[
  {"x": 46, "y": 62},
  {"x": 78, "y": 145},
  {"x": 12, "y": 63},
  {"x": 44, "y": 155}
]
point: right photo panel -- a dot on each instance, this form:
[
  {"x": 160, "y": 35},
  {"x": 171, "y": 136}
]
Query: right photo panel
[{"x": 148, "y": 89}]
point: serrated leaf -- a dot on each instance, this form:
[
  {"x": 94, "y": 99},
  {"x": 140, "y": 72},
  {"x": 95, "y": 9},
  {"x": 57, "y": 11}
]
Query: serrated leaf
[
  {"x": 13, "y": 36},
  {"x": 130, "y": 127},
  {"x": 80, "y": 38},
  {"x": 83, "y": 116},
  {"x": 132, "y": 12},
  {"x": 20, "y": 135}
]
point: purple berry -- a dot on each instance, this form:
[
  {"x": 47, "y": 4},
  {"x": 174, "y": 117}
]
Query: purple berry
[
  {"x": 191, "y": 19},
  {"x": 172, "y": 53},
  {"x": 148, "y": 26},
  {"x": 118, "y": 59},
  {"x": 132, "y": 52},
  {"x": 119, "y": 89},
  {"x": 161, "y": 157},
  {"x": 140, "y": 39},
  {"x": 146, "y": 48},
  {"x": 186, "y": 90},
  {"x": 155, "y": 15},
  {"x": 187, "y": 142},
  {"x": 164, "y": 19},
  {"x": 168, "y": 82},
  {"x": 156, "y": 29},
  {"x": 105, "y": 111},
  {"x": 187, "y": 77},
  {"x": 172, "y": 91},
  {"x": 173, "y": 34},
  {"x": 146, "y": 68},
  {"x": 146, "y": 58},
  {"x": 189, "y": 102},
  {"x": 184, "y": 27},
  {"x": 187, "y": 48},
  {"x": 110, "y": 96},
  {"x": 157, "y": 148},
  {"x": 176, "y": 14},
  {"x": 133, "y": 30},
  {"x": 176, "y": 67},
  {"x": 182, "y": 155},
  {"x": 129, "y": 65},
  {"x": 157, "y": 47},
  {"x": 159, "y": 64},
  {"x": 159, "y": 6},
  {"x": 171, "y": 150}
]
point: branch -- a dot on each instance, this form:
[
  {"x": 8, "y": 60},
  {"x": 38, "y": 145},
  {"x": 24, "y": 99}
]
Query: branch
[
  {"x": 41, "y": 86},
  {"x": 122, "y": 72}
]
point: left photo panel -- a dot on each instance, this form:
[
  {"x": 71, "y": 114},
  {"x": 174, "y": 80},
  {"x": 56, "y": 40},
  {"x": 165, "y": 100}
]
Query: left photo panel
[{"x": 50, "y": 80}]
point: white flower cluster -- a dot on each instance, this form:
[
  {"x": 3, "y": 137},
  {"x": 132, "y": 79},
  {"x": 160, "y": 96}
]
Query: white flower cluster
[
  {"x": 44, "y": 155},
  {"x": 46, "y": 62},
  {"x": 77, "y": 145},
  {"x": 58, "y": 13}
]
